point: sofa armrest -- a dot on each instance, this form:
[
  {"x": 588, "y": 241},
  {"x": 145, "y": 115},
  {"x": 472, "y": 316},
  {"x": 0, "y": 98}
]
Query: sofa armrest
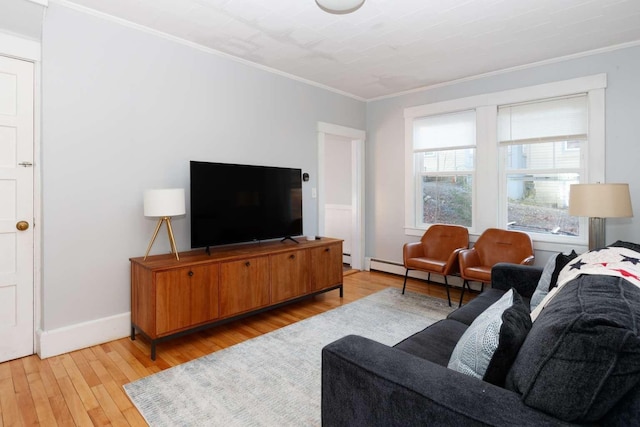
[
  {"x": 524, "y": 278},
  {"x": 368, "y": 383}
]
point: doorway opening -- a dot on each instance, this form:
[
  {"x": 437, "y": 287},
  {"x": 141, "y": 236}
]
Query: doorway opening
[{"x": 341, "y": 189}]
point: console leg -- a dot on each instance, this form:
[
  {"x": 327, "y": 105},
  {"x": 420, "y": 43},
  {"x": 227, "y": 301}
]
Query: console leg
[
  {"x": 153, "y": 349},
  {"x": 133, "y": 333},
  {"x": 341, "y": 291}
]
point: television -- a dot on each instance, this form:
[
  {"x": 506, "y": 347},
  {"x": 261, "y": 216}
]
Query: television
[{"x": 233, "y": 203}]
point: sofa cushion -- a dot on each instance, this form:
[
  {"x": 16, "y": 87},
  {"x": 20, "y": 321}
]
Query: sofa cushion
[
  {"x": 582, "y": 354},
  {"x": 475, "y": 349},
  {"x": 468, "y": 313},
  {"x": 434, "y": 343}
]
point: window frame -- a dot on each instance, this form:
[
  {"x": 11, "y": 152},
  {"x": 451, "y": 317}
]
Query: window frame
[{"x": 489, "y": 189}]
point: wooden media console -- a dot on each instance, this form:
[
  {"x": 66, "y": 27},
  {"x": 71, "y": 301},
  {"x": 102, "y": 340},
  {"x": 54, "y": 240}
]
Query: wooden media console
[{"x": 170, "y": 298}]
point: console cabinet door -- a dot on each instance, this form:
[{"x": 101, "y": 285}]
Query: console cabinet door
[
  {"x": 289, "y": 275},
  {"x": 326, "y": 266},
  {"x": 186, "y": 297},
  {"x": 244, "y": 285}
]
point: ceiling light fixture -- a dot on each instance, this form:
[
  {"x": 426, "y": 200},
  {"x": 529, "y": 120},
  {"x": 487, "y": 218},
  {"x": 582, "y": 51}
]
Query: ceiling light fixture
[{"x": 340, "y": 7}]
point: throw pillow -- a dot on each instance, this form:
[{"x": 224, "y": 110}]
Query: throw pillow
[
  {"x": 476, "y": 348},
  {"x": 583, "y": 352},
  {"x": 561, "y": 261},
  {"x": 549, "y": 278},
  {"x": 516, "y": 324},
  {"x": 542, "y": 289}
]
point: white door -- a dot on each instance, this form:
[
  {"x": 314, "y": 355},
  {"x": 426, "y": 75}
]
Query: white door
[{"x": 16, "y": 208}]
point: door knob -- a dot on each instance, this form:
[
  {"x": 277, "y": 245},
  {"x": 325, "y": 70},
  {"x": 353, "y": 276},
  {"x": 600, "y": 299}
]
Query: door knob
[{"x": 22, "y": 225}]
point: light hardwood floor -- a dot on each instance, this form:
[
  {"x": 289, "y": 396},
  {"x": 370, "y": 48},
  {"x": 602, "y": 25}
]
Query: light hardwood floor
[{"x": 84, "y": 388}]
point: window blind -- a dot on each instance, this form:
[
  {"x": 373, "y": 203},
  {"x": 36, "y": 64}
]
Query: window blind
[
  {"x": 544, "y": 121},
  {"x": 445, "y": 131}
]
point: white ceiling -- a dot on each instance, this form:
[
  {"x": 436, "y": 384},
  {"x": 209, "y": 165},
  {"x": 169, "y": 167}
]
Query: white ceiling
[{"x": 388, "y": 46}]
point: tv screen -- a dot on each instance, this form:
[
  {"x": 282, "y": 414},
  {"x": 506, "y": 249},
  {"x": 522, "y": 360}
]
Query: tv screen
[{"x": 242, "y": 203}]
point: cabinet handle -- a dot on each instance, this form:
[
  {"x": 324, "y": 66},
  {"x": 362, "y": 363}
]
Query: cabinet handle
[
  {"x": 247, "y": 264},
  {"x": 292, "y": 256},
  {"x": 190, "y": 273},
  {"x": 327, "y": 250}
]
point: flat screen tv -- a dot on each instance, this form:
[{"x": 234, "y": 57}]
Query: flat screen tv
[{"x": 243, "y": 203}]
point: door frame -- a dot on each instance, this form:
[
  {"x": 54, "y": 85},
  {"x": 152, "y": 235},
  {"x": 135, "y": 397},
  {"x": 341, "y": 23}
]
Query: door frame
[
  {"x": 15, "y": 47},
  {"x": 358, "y": 138}
]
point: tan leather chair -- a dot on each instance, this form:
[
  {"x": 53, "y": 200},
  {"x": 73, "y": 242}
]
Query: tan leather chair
[
  {"x": 493, "y": 246},
  {"x": 437, "y": 252}
]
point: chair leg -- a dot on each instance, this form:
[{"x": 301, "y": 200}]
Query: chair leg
[
  {"x": 405, "y": 281},
  {"x": 482, "y": 288},
  {"x": 465, "y": 283},
  {"x": 446, "y": 285}
]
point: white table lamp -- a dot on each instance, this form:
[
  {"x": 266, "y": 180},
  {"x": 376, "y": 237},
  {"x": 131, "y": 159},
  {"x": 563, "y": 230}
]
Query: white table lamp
[
  {"x": 164, "y": 204},
  {"x": 599, "y": 201}
]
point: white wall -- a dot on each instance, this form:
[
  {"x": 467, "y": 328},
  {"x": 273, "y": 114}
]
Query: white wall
[
  {"x": 385, "y": 151},
  {"x": 124, "y": 111}
]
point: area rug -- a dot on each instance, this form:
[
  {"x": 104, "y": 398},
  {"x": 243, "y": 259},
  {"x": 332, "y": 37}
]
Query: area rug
[{"x": 274, "y": 379}]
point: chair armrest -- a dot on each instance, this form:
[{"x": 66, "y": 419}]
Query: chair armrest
[
  {"x": 412, "y": 250},
  {"x": 367, "y": 383},
  {"x": 453, "y": 266},
  {"x": 468, "y": 258},
  {"x": 528, "y": 260},
  {"x": 524, "y": 278}
]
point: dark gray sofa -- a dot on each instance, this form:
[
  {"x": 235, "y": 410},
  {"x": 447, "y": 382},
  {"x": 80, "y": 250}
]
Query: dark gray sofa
[{"x": 366, "y": 383}]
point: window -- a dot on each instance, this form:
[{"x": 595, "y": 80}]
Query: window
[
  {"x": 506, "y": 160},
  {"x": 444, "y": 156},
  {"x": 541, "y": 146}
]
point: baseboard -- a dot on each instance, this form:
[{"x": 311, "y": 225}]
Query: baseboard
[
  {"x": 398, "y": 269},
  {"x": 75, "y": 337}
]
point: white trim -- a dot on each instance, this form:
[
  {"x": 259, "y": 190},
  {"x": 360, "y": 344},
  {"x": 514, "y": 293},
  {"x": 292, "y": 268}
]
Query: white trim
[
  {"x": 399, "y": 270},
  {"x": 200, "y": 47},
  {"x": 37, "y": 203},
  {"x": 20, "y": 48},
  {"x": 344, "y": 131},
  {"x": 82, "y": 335}
]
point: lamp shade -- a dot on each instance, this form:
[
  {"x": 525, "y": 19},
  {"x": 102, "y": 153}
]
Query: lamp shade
[
  {"x": 339, "y": 6},
  {"x": 164, "y": 202},
  {"x": 600, "y": 200}
]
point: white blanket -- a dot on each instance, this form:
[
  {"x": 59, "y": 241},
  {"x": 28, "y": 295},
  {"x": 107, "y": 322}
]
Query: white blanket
[{"x": 610, "y": 261}]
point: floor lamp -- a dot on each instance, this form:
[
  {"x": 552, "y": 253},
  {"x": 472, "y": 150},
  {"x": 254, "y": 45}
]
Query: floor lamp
[
  {"x": 163, "y": 204},
  {"x": 599, "y": 201}
]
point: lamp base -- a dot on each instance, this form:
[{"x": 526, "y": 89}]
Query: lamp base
[
  {"x": 596, "y": 233},
  {"x": 172, "y": 240}
]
